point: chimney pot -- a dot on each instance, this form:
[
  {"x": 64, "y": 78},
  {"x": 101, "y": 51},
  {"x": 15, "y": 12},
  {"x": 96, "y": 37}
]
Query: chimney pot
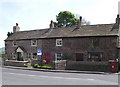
[
  {"x": 16, "y": 28},
  {"x": 79, "y": 22},
  {"x": 117, "y": 20},
  {"x": 51, "y": 24}
]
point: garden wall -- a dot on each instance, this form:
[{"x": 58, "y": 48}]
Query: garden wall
[{"x": 90, "y": 66}]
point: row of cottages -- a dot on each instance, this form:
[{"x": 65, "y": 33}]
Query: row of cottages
[{"x": 77, "y": 43}]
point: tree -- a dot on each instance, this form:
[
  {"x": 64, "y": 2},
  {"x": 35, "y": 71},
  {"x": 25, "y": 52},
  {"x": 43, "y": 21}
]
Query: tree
[{"x": 65, "y": 19}]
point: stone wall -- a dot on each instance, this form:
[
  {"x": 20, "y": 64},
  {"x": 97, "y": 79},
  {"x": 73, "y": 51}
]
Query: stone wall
[
  {"x": 15, "y": 63},
  {"x": 90, "y": 66},
  {"x": 70, "y": 46},
  {"x": 60, "y": 65}
]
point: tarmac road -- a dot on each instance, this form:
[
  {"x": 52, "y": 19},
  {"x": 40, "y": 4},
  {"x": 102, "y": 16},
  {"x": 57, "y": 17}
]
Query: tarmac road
[{"x": 27, "y": 77}]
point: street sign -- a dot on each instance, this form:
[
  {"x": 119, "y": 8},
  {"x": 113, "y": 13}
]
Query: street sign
[{"x": 39, "y": 52}]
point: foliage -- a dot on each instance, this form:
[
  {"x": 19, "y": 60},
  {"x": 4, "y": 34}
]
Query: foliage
[
  {"x": 9, "y": 33},
  {"x": 35, "y": 65},
  {"x": 65, "y": 18},
  {"x": 42, "y": 67},
  {"x": 47, "y": 67}
]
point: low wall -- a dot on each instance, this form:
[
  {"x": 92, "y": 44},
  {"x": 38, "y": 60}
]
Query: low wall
[
  {"x": 60, "y": 65},
  {"x": 15, "y": 63},
  {"x": 89, "y": 66},
  {"x": 34, "y": 62}
]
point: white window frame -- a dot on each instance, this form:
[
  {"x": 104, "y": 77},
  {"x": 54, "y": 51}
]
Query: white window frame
[
  {"x": 56, "y": 56},
  {"x": 14, "y": 43},
  {"x": 59, "y": 42},
  {"x": 33, "y": 42},
  {"x": 32, "y": 56}
]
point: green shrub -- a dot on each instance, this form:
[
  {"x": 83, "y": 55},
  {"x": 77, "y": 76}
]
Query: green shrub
[
  {"x": 38, "y": 66},
  {"x": 35, "y": 65},
  {"x": 47, "y": 67}
]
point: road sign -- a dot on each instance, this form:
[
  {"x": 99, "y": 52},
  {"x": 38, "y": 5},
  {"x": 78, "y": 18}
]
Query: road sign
[{"x": 39, "y": 52}]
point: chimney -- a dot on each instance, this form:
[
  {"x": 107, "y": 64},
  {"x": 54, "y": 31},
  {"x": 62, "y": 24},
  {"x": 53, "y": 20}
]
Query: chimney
[
  {"x": 79, "y": 22},
  {"x": 16, "y": 28},
  {"x": 117, "y": 20},
  {"x": 51, "y": 24}
]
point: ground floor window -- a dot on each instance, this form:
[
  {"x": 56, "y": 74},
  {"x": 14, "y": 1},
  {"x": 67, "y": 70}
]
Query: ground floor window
[
  {"x": 95, "y": 56},
  {"x": 34, "y": 55},
  {"x": 58, "y": 56},
  {"x": 79, "y": 56}
]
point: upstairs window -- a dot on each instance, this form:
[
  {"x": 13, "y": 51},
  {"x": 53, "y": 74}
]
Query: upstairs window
[
  {"x": 95, "y": 42},
  {"x": 58, "y": 42},
  {"x": 14, "y": 43},
  {"x": 33, "y": 42},
  {"x": 58, "y": 56}
]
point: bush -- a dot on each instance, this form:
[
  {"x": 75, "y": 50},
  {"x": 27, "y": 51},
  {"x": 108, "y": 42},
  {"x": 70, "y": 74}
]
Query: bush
[
  {"x": 35, "y": 65},
  {"x": 43, "y": 67},
  {"x": 47, "y": 67}
]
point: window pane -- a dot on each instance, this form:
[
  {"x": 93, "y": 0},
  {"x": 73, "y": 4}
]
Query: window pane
[{"x": 58, "y": 42}]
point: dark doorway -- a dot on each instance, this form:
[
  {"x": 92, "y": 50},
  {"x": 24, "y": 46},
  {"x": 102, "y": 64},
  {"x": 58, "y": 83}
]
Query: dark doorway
[
  {"x": 79, "y": 56},
  {"x": 19, "y": 56}
]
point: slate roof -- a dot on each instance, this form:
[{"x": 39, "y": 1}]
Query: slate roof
[{"x": 85, "y": 30}]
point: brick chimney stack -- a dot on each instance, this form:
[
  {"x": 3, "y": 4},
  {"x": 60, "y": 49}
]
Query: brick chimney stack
[
  {"x": 51, "y": 24},
  {"x": 79, "y": 22},
  {"x": 16, "y": 28}
]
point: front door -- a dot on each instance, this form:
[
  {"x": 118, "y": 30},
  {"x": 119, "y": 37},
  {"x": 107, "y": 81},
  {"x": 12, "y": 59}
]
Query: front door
[
  {"x": 47, "y": 58},
  {"x": 19, "y": 56}
]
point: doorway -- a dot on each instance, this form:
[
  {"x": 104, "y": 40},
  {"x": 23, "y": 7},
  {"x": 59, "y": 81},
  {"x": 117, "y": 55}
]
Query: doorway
[
  {"x": 19, "y": 56},
  {"x": 47, "y": 57}
]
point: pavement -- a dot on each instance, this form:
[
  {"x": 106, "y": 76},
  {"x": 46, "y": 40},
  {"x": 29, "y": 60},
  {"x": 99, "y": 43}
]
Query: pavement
[{"x": 65, "y": 71}]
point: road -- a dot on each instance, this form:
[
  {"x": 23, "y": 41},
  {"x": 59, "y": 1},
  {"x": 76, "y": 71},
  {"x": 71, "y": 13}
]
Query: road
[{"x": 27, "y": 77}]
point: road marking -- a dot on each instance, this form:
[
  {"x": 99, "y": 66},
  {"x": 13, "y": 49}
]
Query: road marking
[
  {"x": 90, "y": 79},
  {"x": 21, "y": 74},
  {"x": 47, "y": 76}
]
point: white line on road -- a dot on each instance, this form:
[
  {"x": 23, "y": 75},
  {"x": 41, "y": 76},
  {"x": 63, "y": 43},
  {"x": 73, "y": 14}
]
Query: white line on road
[
  {"x": 50, "y": 76},
  {"x": 90, "y": 79}
]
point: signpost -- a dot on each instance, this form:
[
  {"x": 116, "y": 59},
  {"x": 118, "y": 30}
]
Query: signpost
[{"x": 39, "y": 53}]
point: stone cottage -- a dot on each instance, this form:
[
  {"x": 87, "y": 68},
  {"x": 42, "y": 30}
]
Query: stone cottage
[{"x": 77, "y": 43}]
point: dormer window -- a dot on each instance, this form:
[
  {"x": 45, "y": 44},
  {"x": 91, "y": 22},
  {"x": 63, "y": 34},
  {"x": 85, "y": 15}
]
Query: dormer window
[
  {"x": 33, "y": 42},
  {"x": 14, "y": 43},
  {"x": 58, "y": 42}
]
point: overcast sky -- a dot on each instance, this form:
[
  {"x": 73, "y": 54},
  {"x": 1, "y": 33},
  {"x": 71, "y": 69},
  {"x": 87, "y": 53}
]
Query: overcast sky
[{"x": 36, "y": 14}]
